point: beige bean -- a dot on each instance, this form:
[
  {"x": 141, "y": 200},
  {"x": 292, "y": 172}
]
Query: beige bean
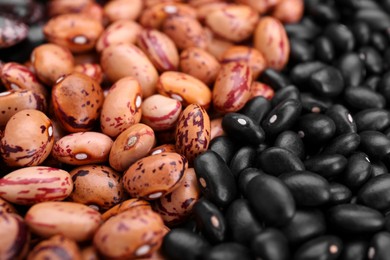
[
  {"x": 164, "y": 148},
  {"x": 122, "y": 10},
  {"x": 261, "y": 6},
  {"x": 151, "y": 3},
  {"x": 50, "y": 248},
  {"x": 204, "y": 9},
  {"x": 261, "y": 89},
  {"x": 216, "y": 46},
  {"x": 58, "y": 7},
  {"x": 123, "y": 206},
  {"x": 92, "y": 70},
  {"x": 31, "y": 185},
  {"x": 289, "y": 11},
  {"x": 6, "y": 207},
  {"x": 216, "y": 128}
]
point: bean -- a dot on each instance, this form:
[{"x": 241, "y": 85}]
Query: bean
[
  {"x": 339, "y": 194},
  {"x": 16, "y": 236},
  {"x": 354, "y": 250},
  {"x": 242, "y": 159},
  {"x": 16, "y": 31},
  {"x": 315, "y": 127},
  {"x": 224, "y": 147},
  {"x": 227, "y": 251},
  {"x": 123, "y": 10},
  {"x": 374, "y": 144},
  {"x": 306, "y": 29},
  {"x": 342, "y": 118},
  {"x": 379, "y": 41},
  {"x": 362, "y": 33},
  {"x": 372, "y": 82},
  {"x": 241, "y": 127},
  {"x": 270, "y": 244},
  {"x": 276, "y": 161},
  {"x": 51, "y": 247},
  {"x": 374, "y": 193},
  {"x": 300, "y": 50},
  {"x": 324, "y": 49},
  {"x": 245, "y": 177},
  {"x": 358, "y": 171},
  {"x": 375, "y": 18},
  {"x": 327, "y": 247},
  {"x": 292, "y": 142},
  {"x": 123, "y": 206},
  {"x": 323, "y": 13},
  {"x": 327, "y": 82},
  {"x": 343, "y": 144},
  {"x": 313, "y": 103},
  {"x": 379, "y": 246},
  {"x": 261, "y": 89},
  {"x": 300, "y": 73},
  {"x": 288, "y": 11},
  {"x": 289, "y": 92},
  {"x": 256, "y": 108},
  {"x": 274, "y": 79},
  {"x": 371, "y": 59},
  {"x": 378, "y": 168},
  {"x": 372, "y": 119},
  {"x": 352, "y": 69},
  {"x": 341, "y": 37}
]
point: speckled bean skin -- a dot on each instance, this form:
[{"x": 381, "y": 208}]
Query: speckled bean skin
[
  {"x": 270, "y": 38},
  {"x": 121, "y": 31},
  {"x": 160, "y": 49},
  {"x": 262, "y": 6},
  {"x": 193, "y": 132},
  {"x": 151, "y": 3},
  {"x": 216, "y": 45},
  {"x": 77, "y": 32},
  {"x": 18, "y": 77},
  {"x": 6, "y": 207},
  {"x": 96, "y": 185},
  {"x": 14, "y": 237},
  {"x": 164, "y": 148},
  {"x": 82, "y": 148},
  {"x": 251, "y": 56},
  {"x": 176, "y": 206},
  {"x": 121, "y": 107},
  {"x": 131, "y": 145},
  {"x": 138, "y": 232},
  {"x": 160, "y": 112},
  {"x": 261, "y": 89},
  {"x": 204, "y": 9},
  {"x": 216, "y": 128},
  {"x": 123, "y": 206},
  {"x": 154, "y": 16},
  {"x": 233, "y": 22},
  {"x": 89, "y": 253},
  {"x": 51, "y": 61},
  {"x": 12, "y": 102},
  {"x": 123, "y": 60},
  {"x": 55, "y": 248},
  {"x": 154, "y": 176},
  {"x": 289, "y": 11},
  {"x": 73, "y": 220},
  {"x": 185, "y": 31},
  {"x": 185, "y": 88},
  {"x": 27, "y": 139},
  {"x": 77, "y": 100},
  {"x": 92, "y": 70},
  {"x": 199, "y": 64},
  {"x": 122, "y": 10},
  {"x": 67, "y": 6},
  {"x": 31, "y": 185},
  {"x": 232, "y": 87}
]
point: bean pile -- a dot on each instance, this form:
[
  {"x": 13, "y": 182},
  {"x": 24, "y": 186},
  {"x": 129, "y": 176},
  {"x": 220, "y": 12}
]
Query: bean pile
[{"x": 195, "y": 129}]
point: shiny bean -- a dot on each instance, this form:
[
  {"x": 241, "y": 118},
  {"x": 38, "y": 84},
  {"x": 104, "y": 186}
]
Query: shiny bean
[
  {"x": 372, "y": 60},
  {"x": 327, "y": 82},
  {"x": 123, "y": 10},
  {"x": 276, "y": 161},
  {"x": 227, "y": 251},
  {"x": 300, "y": 50},
  {"x": 328, "y": 247},
  {"x": 245, "y": 177},
  {"x": 372, "y": 119},
  {"x": 324, "y": 49},
  {"x": 242, "y": 159},
  {"x": 352, "y": 68},
  {"x": 326, "y": 165},
  {"x": 342, "y": 118},
  {"x": 314, "y": 103},
  {"x": 270, "y": 244},
  {"x": 51, "y": 247},
  {"x": 262, "y": 90},
  {"x": 364, "y": 98},
  {"x": 123, "y": 206},
  {"x": 256, "y": 108},
  {"x": 275, "y": 79},
  {"x": 341, "y": 37},
  {"x": 224, "y": 147},
  {"x": 379, "y": 41},
  {"x": 288, "y": 11},
  {"x": 292, "y": 142},
  {"x": 241, "y": 127},
  {"x": 300, "y": 73},
  {"x": 374, "y": 193},
  {"x": 374, "y": 144}
]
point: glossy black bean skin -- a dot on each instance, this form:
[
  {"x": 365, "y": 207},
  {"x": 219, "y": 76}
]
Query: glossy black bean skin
[
  {"x": 363, "y": 98},
  {"x": 376, "y": 193},
  {"x": 301, "y": 72},
  {"x": 352, "y": 68},
  {"x": 372, "y": 82},
  {"x": 282, "y": 117},
  {"x": 306, "y": 29},
  {"x": 245, "y": 177},
  {"x": 224, "y": 147},
  {"x": 313, "y": 103},
  {"x": 227, "y": 251},
  {"x": 323, "y": 13},
  {"x": 342, "y": 118},
  {"x": 375, "y": 144},
  {"x": 306, "y": 224},
  {"x": 371, "y": 59},
  {"x": 276, "y": 161},
  {"x": 256, "y": 109},
  {"x": 324, "y": 247},
  {"x": 375, "y": 18},
  {"x": 210, "y": 221},
  {"x": 179, "y": 242},
  {"x": 339, "y": 194},
  {"x": 358, "y": 171},
  {"x": 362, "y": 33},
  {"x": 372, "y": 119},
  {"x": 380, "y": 246},
  {"x": 289, "y": 92},
  {"x": 270, "y": 244},
  {"x": 242, "y": 159},
  {"x": 315, "y": 128},
  {"x": 292, "y": 142},
  {"x": 386, "y": 59},
  {"x": 324, "y": 49},
  {"x": 215, "y": 179},
  {"x": 274, "y": 79},
  {"x": 378, "y": 168},
  {"x": 379, "y": 41},
  {"x": 327, "y": 82},
  {"x": 300, "y": 51},
  {"x": 384, "y": 86},
  {"x": 271, "y": 200},
  {"x": 341, "y": 37},
  {"x": 355, "y": 219},
  {"x": 354, "y": 250},
  {"x": 344, "y": 144},
  {"x": 242, "y": 128},
  {"x": 241, "y": 221}
]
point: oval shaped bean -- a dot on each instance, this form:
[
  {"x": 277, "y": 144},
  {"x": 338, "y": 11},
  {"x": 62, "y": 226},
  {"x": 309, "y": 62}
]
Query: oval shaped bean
[
  {"x": 358, "y": 171},
  {"x": 245, "y": 177},
  {"x": 276, "y": 161},
  {"x": 327, "y": 165},
  {"x": 325, "y": 52},
  {"x": 289, "y": 92},
  {"x": 50, "y": 248},
  {"x": 291, "y": 141},
  {"x": 372, "y": 119},
  {"x": 327, "y": 82},
  {"x": 256, "y": 109},
  {"x": 352, "y": 69},
  {"x": 327, "y": 247},
  {"x": 123, "y": 206},
  {"x": 270, "y": 244},
  {"x": 224, "y": 147},
  {"x": 343, "y": 144},
  {"x": 288, "y": 11},
  {"x": 342, "y": 118},
  {"x": 164, "y": 148},
  {"x": 73, "y": 220},
  {"x": 363, "y": 98},
  {"x": 261, "y": 89},
  {"x": 301, "y": 51},
  {"x": 123, "y": 10},
  {"x": 374, "y": 143},
  {"x": 244, "y": 158},
  {"x": 374, "y": 193},
  {"x": 315, "y": 128},
  {"x": 15, "y": 237},
  {"x": 341, "y": 37},
  {"x": 227, "y": 251}
]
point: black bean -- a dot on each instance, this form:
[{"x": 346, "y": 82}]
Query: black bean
[
  {"x": 339, "y": 194},
  {"x": 341, "y": 37},
  {"x": 358, "y": 171},
  {"x": 376, "y": 193},
  {"x": 256, "y": 109},
  {"x": 274, "y": 79},
  {"x": 305, "y": 225},
  {"x": 180, "y": 242},
  {"x": 227, "y": 251},
  {"x": 245, "y": 177},
  {"x": 363, "y": 98},
  {"x": 355, "y": 219},
  {"x": 323, "y": 13},
  {"x": 270, "y": 244},
  {"x": 375, "y": 144},
  {"x": 271, "y": 200},
  {"x": 354, "y": 250},
  {"x": 362, "y": 33},
  {"x": 324, "y": 49},
  {"x": 292, "y": 142},
  {"x": 224, "y": 147},
  {"x": 352, "y": 68},
  {"x": 375, "y": 18},
  {"x": 371, "y": 59},
  {"x": 372, "y": 82},
  {"x": 215, "y": 179},
  {"x": 386, "y": 59},
  {"x": 300, "y": 73},
  {"x": 241, "y": 222},
  {"x": 276, "y": 160},
  {"x": 372, "y": 119},
  {"x": 289, "y": 92},
  {"x": 300, "y": 51},
  {"x": 327, "y": 82},
  {"x": 379, "y": 41},
  {"x": 342, "y": 118},
  {"x": 306, "y": 29},
  {"x": 315, "y": 128},
  {"x": 378, "y": 168},
  {"x": 210, "y": 221},
  {"x": 313, "y": 103},
  {"x": 282, "y": 117},
  {"x": 242, "y": 159},
  {"x": 324, "y": 247},
  {"x": 344, "y": 144},
  {"x": 384, "y": 86},
  {"x": 379, "y": 246},
  {"x": 242, "y": 128},
  {"x": 387, "y": 222}
]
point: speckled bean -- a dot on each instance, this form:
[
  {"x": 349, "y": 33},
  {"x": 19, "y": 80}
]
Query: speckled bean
[
  {"x": 261, "y": 89},
  {"x": 216, "y": 46},
  {"x": 288, "y": 11},
  {"x": 15, "y": 237},
  {"x": 216, "y": 128},
  {"x": 6, "y": 207},
  {"x": 164, "y": 148},
  {"x": 131, "y": 145},
  {"x": 154, "y": 176},
  {"x": 160, "y": 112},
  {"x": 54, "y": 248},
  {"x": 121, "y": 107},
  {"x": 122, "y": 10},
  {"x": 123, "y": 206},
  {"x": 82, "y": 148},
  {"x": 185, "y": 88},
  {"x": 65, "y": 6},
  {"x": 209, "y": 6},
  {"x": 262, "y": 6},
  {"x": 35, "y": 184},
  {"x": 92, "y": 70}
]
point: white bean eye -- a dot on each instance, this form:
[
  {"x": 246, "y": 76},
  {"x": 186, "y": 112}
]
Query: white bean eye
[
  {"x": 138, "y": 102},
  {"x": 5, "y": 93},
  {"x": 50, "y": 131},
  {"x": 273, "y": 119},
  {"x": 81, "y": 156},
  {"x": 14, "y": 86},
  {"x": 132, "y": 140},
  {"x": 301, "y": 134},
  {"x": 177, "y": 97},
  {"x": 80, "y": 39},
  {"x": 368, "y": 160},
  {"x": 350, "y": 118},
  {"x": 170, "y": 9},
  {"x": 203, "y": 182},
  {"x": 155, "y": 195},
  {"x": 214, "y": 221},
  {"x": 142, "y": 250},
  {"x": 333, "y": 249},
  {"x": 242, "y": 121}
]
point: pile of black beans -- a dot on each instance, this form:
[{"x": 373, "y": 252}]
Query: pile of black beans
[{"x": 305, "y": 175}]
